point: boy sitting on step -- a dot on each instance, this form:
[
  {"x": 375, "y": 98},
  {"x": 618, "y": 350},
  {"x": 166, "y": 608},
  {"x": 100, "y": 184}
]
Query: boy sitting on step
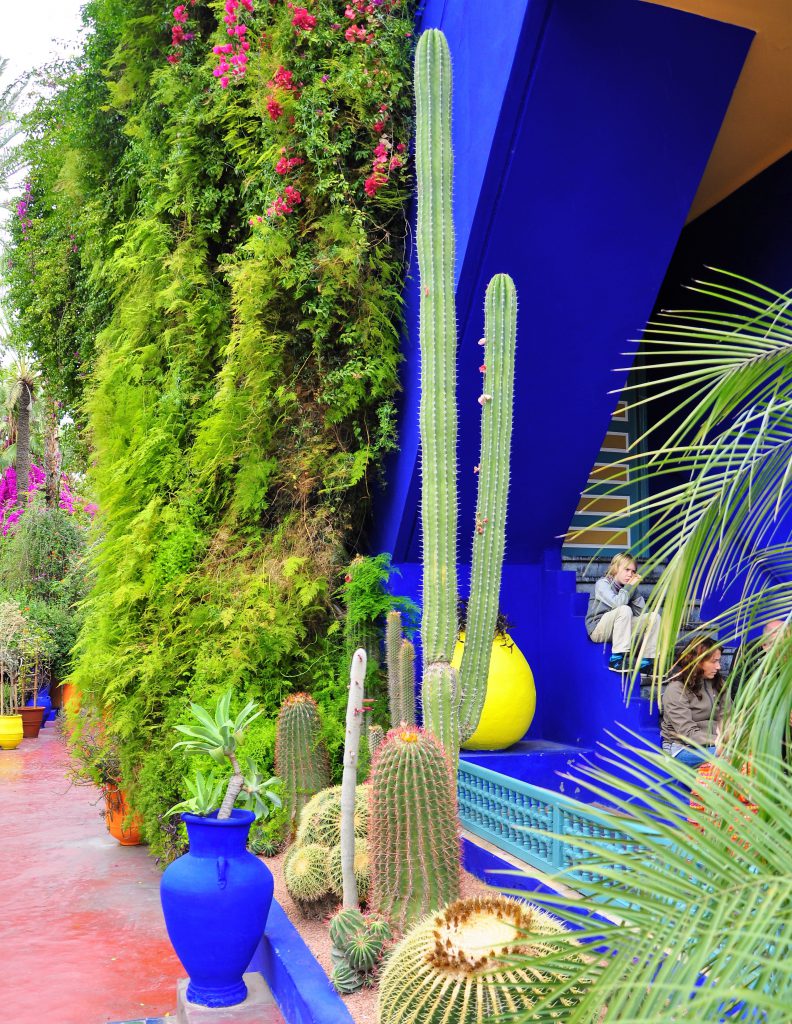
[{"x": 616, "y": 613}]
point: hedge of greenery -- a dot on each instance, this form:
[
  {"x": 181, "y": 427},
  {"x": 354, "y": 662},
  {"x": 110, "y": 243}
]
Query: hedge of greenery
[{"x": 207, "y": 262}]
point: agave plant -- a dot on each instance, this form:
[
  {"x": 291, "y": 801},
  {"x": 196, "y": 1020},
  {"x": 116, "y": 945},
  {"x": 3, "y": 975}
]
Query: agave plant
[
  {"x": 721, "y": 496},
  {"x": 701, "y": 901},
  {"x": 219, "y": 736}
]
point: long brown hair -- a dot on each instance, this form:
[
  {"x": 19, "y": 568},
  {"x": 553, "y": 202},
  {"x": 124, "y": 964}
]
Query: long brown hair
[{"x": 688, "y": 663}]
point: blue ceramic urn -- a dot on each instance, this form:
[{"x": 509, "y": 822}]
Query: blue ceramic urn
[{"x": 215, "y": 900}]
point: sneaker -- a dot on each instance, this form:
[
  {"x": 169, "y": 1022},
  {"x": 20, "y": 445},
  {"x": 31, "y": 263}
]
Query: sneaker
[
  {"x": 646, "y": 665},
  {"x": 616, "y": 663}
]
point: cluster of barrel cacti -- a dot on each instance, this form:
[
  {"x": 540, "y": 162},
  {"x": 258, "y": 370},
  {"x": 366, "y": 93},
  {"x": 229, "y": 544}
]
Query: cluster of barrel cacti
[
  {"x": 301, "y": 758},
  {"x": 357, "y": 945},
  {"x": 414, "y": 839},
  {"x": 463, "y": 965},
  {"x": 312, "y": 867},
  {"x": 452, "y": 704}
]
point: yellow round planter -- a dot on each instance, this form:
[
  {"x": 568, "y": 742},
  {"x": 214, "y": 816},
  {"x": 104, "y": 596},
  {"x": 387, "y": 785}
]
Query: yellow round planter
[
  {"x": 511, "y": 696},
  {"x": 10, "y": 731}
]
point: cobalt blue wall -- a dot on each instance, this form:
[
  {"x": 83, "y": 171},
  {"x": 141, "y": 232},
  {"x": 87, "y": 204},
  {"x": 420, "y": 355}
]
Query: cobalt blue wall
[{"x": 581, "y": 132}]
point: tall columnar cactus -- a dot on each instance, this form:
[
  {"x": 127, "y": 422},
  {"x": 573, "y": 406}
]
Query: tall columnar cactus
[
  {"x": 400, "y": 655},
  {"x": 375, "y": 737},
  {"x": 452, "y": 966},
  {"x": 301, "y": 758},
  {"x": 413, "y": 838},
  {"x": 452, "y": 707}
]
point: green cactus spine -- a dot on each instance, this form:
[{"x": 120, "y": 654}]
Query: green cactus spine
[
  {"x": 451, "y": 966},
  {"x": 438, "y": 416},
  {"x": 489, "y": 537},
  {"x": 301, "y": 758},
  {"x": 413, "y": 838}
]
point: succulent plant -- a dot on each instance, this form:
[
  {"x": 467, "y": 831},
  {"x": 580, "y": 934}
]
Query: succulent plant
[
  {"x": 300, "y": 754},
  {"x": 452, "y": 707},
  {"x": 357, "y": 947},
  {"x": 345, "y": 979},
  {"x": 462, "y": 964},
  {"x": 320, "y": 821},
  {"x": 362, "y": 868},
  {"x": 343, "y": 926},
  {"x": 305, "y": 873},
  {"x": 413, "y": 837},
  {"x": 313, "y": 811}
]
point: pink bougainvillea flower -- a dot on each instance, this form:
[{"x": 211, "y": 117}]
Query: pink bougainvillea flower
[
  {"x": 303, "y": 21},
  {"x": 274, "y": 109}
]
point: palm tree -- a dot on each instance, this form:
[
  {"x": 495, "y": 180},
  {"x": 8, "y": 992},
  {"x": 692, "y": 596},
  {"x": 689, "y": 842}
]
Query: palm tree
[
  {"x": 704, "y": 909},
  {"x": 21, "y": 379}
]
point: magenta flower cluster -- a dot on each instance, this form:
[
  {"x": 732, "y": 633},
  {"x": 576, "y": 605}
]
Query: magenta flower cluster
[
  {"x": 23, "y": 209},
  {"x": 302, "y": 19},
  {"x": 233, "y": 56},
  {"x": 11, "y": 512},
  {"x": 179, "y": 33}
]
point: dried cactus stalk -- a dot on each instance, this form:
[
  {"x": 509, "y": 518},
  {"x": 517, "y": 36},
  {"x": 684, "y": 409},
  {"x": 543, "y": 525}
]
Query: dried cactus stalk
[{"x": 413, "y": 839}]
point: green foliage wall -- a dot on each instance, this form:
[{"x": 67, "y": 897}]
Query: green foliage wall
[{"x": 234, "y": 369}]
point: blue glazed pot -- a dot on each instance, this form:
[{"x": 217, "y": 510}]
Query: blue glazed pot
[
  {"x": 42, "y": 700},
  {"x": 215, "y": 900}
]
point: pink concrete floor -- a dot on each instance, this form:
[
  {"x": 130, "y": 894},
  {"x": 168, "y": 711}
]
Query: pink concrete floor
[{"x": 82, "y": 940}]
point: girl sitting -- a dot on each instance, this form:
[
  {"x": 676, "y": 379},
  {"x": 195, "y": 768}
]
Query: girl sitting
[{"x": 693, "y": 702}]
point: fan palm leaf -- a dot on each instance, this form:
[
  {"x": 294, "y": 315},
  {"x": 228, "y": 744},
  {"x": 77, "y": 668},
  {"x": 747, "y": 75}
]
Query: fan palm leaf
[{"x": 693, "y": 908}]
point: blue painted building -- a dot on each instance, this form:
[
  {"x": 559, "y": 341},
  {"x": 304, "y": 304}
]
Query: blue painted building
[{"x": 604, "y": 151}]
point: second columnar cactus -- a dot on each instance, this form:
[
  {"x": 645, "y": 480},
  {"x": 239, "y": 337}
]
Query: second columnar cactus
[
  {"x": 446, "y": 701},
  {"x": 400, "y": 656},
  {"x": 300, "y": 754},
  {"x": 413, "y": 838}
]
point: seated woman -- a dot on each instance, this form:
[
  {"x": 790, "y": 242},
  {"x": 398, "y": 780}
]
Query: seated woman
[
  {"x": 616, "y": 613},
  {"x": 693, "y": 702}
]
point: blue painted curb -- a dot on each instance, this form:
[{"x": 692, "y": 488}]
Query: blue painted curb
[{"x": 301, "y": 988}]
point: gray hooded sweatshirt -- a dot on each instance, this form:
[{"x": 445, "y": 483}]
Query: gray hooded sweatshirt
[{"x": 609, "y": 595}]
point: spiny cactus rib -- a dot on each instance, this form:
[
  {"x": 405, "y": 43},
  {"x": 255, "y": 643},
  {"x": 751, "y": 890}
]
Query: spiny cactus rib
[
  {"x": 451, "y": 966},
  {"x": 438, "y": 415},
  {"x": 393, "y": 640},
  {"x": 489, "y": 537},
  {"x": 301, "y": 758},
  {"x": 363, "y": 951},
  {"x": 345, "y": 979},
  {"x": 344, "y": 925},
  {"x": 305, "y": 873},
  {"x": 441, "y": 706},
  {"x": 413, "y": 841},
  {"x": 375, "y": 737},
  {"x": 407, "y": 676}
]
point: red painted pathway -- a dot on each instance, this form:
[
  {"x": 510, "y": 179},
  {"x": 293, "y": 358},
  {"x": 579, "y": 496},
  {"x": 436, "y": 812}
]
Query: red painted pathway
[{"x": 82, "y": 940}]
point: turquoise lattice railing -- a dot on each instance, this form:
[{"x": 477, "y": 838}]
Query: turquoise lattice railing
[{"x": 534, "y": 824}]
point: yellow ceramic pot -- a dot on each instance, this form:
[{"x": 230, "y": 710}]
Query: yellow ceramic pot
[
  {"x": 511, "y": 696},
  {"x": 10, "y": 731}
]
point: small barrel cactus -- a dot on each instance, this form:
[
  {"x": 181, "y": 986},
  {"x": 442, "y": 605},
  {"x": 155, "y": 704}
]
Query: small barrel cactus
[
  {"x": 413, "y": 838},
  {"x": 462, "y": 965},
  {"x": 343, "y": 926},
  {"x": 362, "y": 868},
  {"x": 357, "y": 947},
  {"x": 306, "y": 878},
  {"x": 301, "y": 758},
  {"x": 320, "y": 821}
]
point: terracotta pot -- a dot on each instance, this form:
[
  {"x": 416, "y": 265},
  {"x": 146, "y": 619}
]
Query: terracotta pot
[
  {"x": 31, "y": 721},
  {"x": 116, "y": 810}
]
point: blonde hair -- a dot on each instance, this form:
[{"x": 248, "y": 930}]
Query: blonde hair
[{"x": 619, "y": 561}]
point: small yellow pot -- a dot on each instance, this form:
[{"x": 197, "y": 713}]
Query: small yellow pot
[
  {"x": 510, "y": 703},
  {"x": 10, "y": 731}
]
